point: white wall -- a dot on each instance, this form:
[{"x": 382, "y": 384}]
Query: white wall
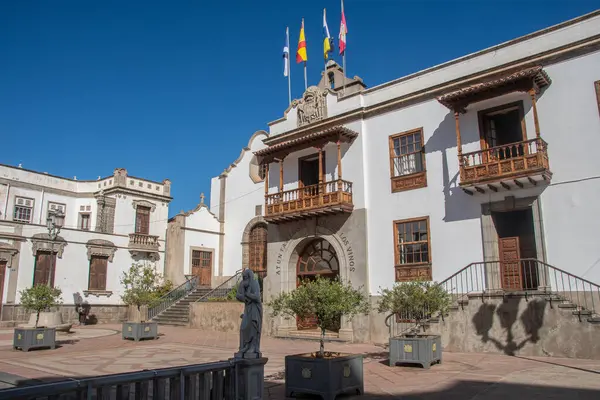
[
  {"x": 241, "y": 197},
  {"x": 203, "y": 220}
]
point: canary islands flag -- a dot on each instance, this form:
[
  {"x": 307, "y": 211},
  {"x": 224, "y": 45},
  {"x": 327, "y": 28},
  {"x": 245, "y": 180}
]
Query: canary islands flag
[{"x": 327, "y": 40}]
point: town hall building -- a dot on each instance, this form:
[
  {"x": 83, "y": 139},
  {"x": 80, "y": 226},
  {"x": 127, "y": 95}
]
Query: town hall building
[{"x": 489, "y": 158}]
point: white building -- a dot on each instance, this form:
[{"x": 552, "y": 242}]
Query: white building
[
  {"x": 484, "y": 158},
  {"x": 109, "y": 224}
]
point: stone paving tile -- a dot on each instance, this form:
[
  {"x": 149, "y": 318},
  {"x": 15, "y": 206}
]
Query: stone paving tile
[{"x": 473, "y": 376}]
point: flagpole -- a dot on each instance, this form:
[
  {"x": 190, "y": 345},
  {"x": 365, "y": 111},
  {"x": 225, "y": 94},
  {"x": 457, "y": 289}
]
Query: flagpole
[
  {"x": 289, "y": 64},
  {"x": 344, "y": 61},
  {"x": 324, "y": 59},
  {"x": 305, "y": 80}
]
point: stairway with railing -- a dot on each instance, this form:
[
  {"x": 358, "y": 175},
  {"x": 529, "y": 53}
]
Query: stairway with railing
[
  {"x": 174, "y": 308},
  {"x": 523, "y": 277}
]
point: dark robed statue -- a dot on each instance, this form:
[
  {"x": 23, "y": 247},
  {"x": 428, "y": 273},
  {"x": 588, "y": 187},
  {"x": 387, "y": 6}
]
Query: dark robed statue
[{"x": 249, "y": 293}]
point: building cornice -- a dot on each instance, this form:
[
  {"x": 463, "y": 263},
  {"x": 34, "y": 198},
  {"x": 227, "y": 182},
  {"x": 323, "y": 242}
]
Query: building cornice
[
  {"x": 553, "y": 56},
  {"x": 243, "y": 152},
  {"x": 139, "y": 193}
]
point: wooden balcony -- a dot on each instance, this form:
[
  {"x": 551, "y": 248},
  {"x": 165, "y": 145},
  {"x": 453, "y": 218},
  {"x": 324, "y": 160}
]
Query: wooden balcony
[
  {"x": 511, "y": 166},
  {"x": 316, "y": 200}
]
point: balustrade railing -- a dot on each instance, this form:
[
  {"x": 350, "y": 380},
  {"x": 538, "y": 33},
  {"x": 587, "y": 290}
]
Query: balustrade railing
[
  {"x": 144, "y": 241},
  {"x": 208, "y": 381},
  {"x": 506, "y": 160},
  {"x": 523, "y": 276},
  {"x": 224, "y": 288},
  {"x": 174, "y": 296},
  {"x": 327, "y": 193}
]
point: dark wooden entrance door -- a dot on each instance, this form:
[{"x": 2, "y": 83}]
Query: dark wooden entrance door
[
  {"x": 317, "y": 258},
  {"x": 2, "y": 274},
  {"x": 44, "y": 269},
  {"x": 202, "y": 266},
  {"x": 510, "y": 263}
]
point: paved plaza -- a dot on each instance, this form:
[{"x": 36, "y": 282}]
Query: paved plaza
[{"x": 99, "y": 350}]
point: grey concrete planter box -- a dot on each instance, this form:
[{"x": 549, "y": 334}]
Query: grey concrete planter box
[
  {"x": 326, "y": 377},
  {"x": 34, "y": 338},
  {"x": 140, "y": 330},
  {"x": 418, "y": 349}
]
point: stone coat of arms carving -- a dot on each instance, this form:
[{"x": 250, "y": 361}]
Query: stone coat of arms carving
[{"x": 312, "y": 107}]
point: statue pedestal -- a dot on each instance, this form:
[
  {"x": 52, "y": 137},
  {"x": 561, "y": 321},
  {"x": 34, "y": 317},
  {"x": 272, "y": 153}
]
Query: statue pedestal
[{"x": 250, "y": 377}]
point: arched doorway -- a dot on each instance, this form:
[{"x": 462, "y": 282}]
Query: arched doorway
[
  {"x": 318, "y": 258},
  {"x": 257, "y": 252}
]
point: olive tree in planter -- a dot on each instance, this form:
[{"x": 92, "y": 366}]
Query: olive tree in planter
[
  {"x": 37, "y": 299},
  {"x": 323, "y": 373},
  {"x": 415, "y": 302},
  {"x": 142, "y": 290}
]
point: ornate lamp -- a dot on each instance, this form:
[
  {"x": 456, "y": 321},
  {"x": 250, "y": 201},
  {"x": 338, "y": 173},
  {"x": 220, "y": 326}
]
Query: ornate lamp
[{"x": 54, "y": 223}]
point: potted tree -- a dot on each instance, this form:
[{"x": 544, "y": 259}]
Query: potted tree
[
  {"x": 37, "y": 299},
  {"x": 414, "y": 302},
  {"x": 142, "y": 290},
  {"x": 322, "y": 372}
]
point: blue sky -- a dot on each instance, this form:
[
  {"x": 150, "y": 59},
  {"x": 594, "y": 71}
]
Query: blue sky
[{"x": 174, "y": 89}]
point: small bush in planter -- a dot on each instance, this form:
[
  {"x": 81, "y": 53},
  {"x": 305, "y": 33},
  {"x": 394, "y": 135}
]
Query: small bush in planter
[
  {"x": 143, "y": 288},
  {"x": 323, "y": 373},
  {"x": 37, "y": 299},
  {"x": 415, "y": 302}
]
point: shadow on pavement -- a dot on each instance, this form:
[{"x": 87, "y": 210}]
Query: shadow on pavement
[{"x": 460, "y": 390}]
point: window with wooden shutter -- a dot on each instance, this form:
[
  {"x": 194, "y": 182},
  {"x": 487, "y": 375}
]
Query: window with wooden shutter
[
  {"x": 142, "y": 220},
  {"x": 258, "y": 249},
  {"x": 43, "y": 274},
  {"x": 98, "y": 267}
]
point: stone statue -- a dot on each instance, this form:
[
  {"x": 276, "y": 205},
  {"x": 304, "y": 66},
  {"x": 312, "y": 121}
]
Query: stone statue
[{"x": 249, "y": 293}]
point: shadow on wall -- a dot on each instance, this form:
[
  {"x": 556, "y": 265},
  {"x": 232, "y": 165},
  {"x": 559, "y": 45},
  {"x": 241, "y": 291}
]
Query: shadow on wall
[
  {"x": 532, "y": 320},
  {"x": 458, "y": 205}
]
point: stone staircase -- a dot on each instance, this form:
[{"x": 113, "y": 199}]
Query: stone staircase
[{"x": 178, "y": 314}]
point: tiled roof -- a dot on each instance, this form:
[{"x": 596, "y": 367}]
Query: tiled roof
[
  {"x": 307, "y": 139},
  {"x": 539, "y": 76}
]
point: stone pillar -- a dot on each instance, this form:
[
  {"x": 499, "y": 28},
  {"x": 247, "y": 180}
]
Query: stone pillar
[{"x": 250, "y": 378}]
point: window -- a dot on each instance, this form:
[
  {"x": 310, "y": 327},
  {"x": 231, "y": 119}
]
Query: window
[
  {"x": 23, "y": 209},
  {"x": 56, "y": 208},
  {"x": 97, "y": 278},
  {"x": 142, "y": 220},
  {"x": 258, "y": 249},
  {"x": 407, "y": 161},
  {"x": 84, "y": 222},
  {"x": 412, "y": 254},
  {"x": 45, "y": 264},
  {"x": 262, "y": 171}
]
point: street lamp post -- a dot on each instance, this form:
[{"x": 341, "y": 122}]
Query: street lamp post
[{"x": 54, "y": 223}]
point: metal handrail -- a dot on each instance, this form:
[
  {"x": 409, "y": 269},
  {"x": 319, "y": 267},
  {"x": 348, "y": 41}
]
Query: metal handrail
[
  {"x": 225, "y": 286},
  {"x": 182, "y": 376},
  {"x": 173, "y": 296},
  {"x": 524, "y": 276}
]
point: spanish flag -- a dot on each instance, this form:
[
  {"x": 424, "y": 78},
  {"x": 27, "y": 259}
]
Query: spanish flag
[{"x": 301, "y": 53}]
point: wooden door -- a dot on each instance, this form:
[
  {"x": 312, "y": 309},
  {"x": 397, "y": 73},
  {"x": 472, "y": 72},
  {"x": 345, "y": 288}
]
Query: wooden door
[
  {"x": 142, "y": 220},
  {"x": 310, "y": 322},
  {"x": 97, "y": 279},
  {"x": 202, "y": 266},
  {"x": 2, "y": 274},
  {"x": 510, "y": 264},
  {"x": 44, "y": 269}
]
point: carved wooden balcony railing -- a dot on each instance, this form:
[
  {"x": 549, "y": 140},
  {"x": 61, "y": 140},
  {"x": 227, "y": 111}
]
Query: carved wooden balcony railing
[
  {"x": 143, "y": 242},
  {"x": 322, "y": 199},
  {"x": 507, "y": 166}
]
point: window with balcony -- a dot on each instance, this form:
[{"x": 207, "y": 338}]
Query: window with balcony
[
  {"x": 142, "y": 220},
  {"x": 412, "y": 253},
  {"x": 97, "y": 277},
  {"x": 407, "y": 161},
  {"x": 23, "y": 211},
  {"x": 499, "y": 127}
]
